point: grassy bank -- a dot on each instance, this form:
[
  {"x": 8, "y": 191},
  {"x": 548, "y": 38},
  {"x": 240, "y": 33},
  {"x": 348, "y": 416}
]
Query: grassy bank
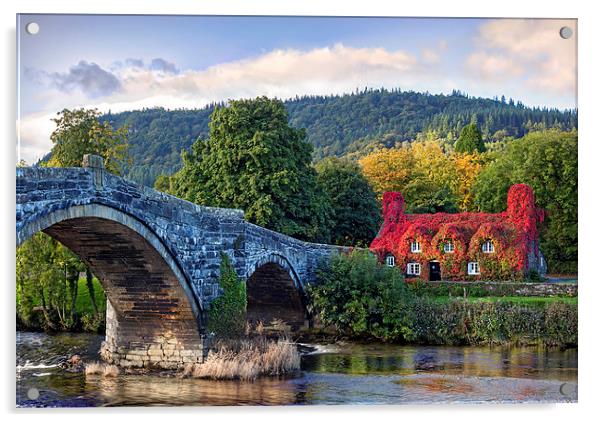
[
  {"x": 30, "y": 313},
  {"x": 516, "y": 300}
]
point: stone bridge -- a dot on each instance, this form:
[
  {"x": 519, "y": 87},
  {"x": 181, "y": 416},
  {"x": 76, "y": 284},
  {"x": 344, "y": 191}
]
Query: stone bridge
[{"x": 158, "y": 259}]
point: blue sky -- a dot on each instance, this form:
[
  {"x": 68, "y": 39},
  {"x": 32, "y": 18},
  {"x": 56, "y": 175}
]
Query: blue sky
[{"x": 130, "y": 62}]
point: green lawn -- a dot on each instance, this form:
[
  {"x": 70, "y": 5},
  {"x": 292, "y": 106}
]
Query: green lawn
[
  {"x": 83, "y": 304},
  {"x": 518, "y": 300}
]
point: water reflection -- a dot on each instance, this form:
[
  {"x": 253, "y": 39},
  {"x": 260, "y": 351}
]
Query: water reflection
[
  {"x": 533, "y": 363},
  {"x": 336, "y": 374}
]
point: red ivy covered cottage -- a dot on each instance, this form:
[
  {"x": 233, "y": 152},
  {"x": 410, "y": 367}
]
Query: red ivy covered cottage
[{"x": 463, "y": 246}]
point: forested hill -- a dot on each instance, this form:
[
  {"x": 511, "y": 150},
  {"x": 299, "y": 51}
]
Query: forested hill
[{"x": 339, "y": 124}]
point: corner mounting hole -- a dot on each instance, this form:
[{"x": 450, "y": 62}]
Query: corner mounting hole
[
  {"x": 566, "y": 32},
  {"x": 33, "y": 393},
  {"x": 32, "y": 28}
]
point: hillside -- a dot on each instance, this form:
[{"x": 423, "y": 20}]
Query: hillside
[{"x": 336, "y": 125}]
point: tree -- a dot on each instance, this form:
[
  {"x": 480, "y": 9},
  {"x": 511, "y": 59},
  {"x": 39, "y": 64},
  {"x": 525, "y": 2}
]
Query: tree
[
  {"x": 227, "y": 314},
  {"x": 253, "y": 160},
  {"x": 163, "y": 183},
  {"x": 547, "y": 161},
  {"x": 79, "y": 132},
  {"x": 470, "y": 140},
  {"x": 421, "y": 172},
  {"x": 468, "y": 167},
  {"x": 47, "y": 277},
  {"x": 353, "y": 202}
]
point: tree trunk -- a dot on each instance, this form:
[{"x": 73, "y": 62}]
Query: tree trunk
[
  {"x": 73, "y": 285},
  {"x": 90, "y": 285}
]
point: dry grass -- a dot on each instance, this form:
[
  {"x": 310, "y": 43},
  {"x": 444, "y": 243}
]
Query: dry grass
[
  {"x": 96, "y": 368},
  {"x": 246, "y": 360}
]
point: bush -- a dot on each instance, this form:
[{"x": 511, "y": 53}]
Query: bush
[
  {"x": 361, "y": 297},
  {"x": 227, "y": 314}
]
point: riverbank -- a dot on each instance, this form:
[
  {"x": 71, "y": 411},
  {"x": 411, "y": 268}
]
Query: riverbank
[{"x": 444, "y": 321}]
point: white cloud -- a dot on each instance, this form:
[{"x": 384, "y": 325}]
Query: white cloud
[
  {"x": 279, "y": 73},
  {"x": 508, "y": 48},
  {"x": 494, "y": 66},
  {"x": 33, "y": 134},
  {"x": 430, "y": 56}
]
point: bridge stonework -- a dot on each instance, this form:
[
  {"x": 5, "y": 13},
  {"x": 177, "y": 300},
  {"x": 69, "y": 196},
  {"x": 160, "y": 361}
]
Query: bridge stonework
[{"x": 158, "y": 258}]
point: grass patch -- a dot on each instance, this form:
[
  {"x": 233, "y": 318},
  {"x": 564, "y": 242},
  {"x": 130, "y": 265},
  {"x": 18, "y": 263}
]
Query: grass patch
[
  {"x": 83, "y": 304},
  {"x": 516, "y": 300}
]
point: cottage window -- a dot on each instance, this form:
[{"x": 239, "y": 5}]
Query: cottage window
[
  {"x": 415, "y": 247},
  {"x": 487, "y": 247},
  {"x": 448, "y": 247},
  {"x": 473, "y": 268},
  {"x": 390, "y": 260},
  {"x": 413, "y": 268}
]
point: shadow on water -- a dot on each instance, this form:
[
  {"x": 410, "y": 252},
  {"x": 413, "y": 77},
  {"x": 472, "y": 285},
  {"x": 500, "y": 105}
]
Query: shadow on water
[{"x": 332, "y": 374}]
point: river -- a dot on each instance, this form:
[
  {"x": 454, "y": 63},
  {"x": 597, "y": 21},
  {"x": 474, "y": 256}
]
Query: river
[{"x": 342, "y": 373}]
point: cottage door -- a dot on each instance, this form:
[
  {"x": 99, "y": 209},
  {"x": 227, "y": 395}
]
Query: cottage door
[{"x": 434, "y": 271}]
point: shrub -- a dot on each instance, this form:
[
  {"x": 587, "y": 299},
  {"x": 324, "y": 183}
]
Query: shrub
[
  {"x": 361, "y": 297},
  {"x": 227, "y": 314},
  {"x": 561, "y": 324},
  {"x": 94, "y": 323}
]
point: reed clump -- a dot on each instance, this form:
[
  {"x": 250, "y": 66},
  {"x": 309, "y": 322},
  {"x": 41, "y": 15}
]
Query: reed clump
[
  {"x": 103, "y": 369},
  {"x": 246, "y": 360}
]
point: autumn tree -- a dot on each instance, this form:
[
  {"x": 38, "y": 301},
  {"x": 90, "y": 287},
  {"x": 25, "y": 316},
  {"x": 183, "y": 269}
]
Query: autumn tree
[
  {"x": 468, "y": 168},
  {"x": 421, "y": 172}
]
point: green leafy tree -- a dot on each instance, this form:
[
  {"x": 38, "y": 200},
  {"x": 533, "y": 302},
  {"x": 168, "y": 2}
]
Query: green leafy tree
[
  {"x": 163, "y": 183},
  {"x": 47, "y": 280},
  {"x": 356, "y": 211},
  {"x": 547, "y": 161},
  {"x": 361, "y": 297},
  {"x": 79, "y": 132},
  {"x": 253, "y": 160},
  {"x": 470, "y": 140},
  {"x": 227, "y": 314}
]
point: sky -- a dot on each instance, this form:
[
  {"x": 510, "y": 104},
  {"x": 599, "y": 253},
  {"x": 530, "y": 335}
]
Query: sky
[{"x": 119, "y": 63}]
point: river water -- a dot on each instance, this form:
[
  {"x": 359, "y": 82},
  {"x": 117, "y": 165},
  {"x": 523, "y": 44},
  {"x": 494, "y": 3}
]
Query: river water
[{"x": 342, "y": 373}]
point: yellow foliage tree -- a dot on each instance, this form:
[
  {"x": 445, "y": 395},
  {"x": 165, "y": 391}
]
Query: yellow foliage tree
[
  {"x": 432, "y": 162},
  {"x": 390, "y": 169},
  {"x": 468, "y": 167}
]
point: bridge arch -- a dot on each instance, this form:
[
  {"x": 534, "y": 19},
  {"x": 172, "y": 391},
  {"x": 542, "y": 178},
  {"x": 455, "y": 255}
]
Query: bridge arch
[
  {"x": 275, "y": 292},
  {"x": 153, "y": 315}
]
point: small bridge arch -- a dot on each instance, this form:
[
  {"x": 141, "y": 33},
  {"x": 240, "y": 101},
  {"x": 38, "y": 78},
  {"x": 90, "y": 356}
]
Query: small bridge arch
[{"x": 275, "y": 292}]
